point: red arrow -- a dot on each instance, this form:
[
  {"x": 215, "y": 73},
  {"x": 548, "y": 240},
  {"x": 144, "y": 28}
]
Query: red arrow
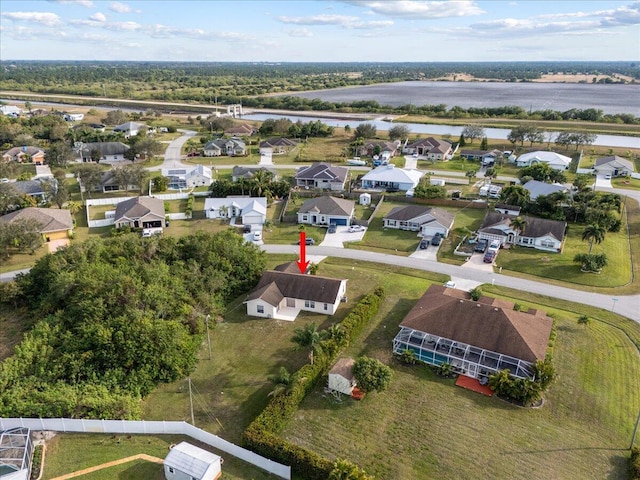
[{"x": 303, "y": 263}]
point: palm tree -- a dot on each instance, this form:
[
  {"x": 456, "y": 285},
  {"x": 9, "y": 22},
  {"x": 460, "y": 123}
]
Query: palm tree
[
  {"x": 593, "y": 233},
  {"x": 518, "y": 224},
  {"x": 282, "y": 381},
  {"x": 261, "y": 181},
  {"x": 73, "y": 207},
  {"x": 309, "y": 336}
]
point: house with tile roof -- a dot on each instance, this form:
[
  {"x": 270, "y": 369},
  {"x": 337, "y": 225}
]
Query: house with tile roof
[
  {"x": 243, "y": 130},
  {"x": 419, "y": 218},
  {"x": 24, "y": 154},
  {"x": 553, "y": 159},
  {"x": 278, "y": 145},
  {"x": 477, "y": 338},
  {"x": 430, "y": 148},
  {"x": 140, "y": 212},
  {"x": 55, "y": 223},
  {"x": 250, "y": 210},
  {"x": 326, "y": 210},
  {"x": 323, "y": 176},
  {"x": 384, "y": 148},
  {"x": 614, "y": 165},
  {"x": 388, "y": 177},
  {"x": 538, "y": 233},
  {"x": 284, "y": 292},
  {"x": 188, "y": 462}
]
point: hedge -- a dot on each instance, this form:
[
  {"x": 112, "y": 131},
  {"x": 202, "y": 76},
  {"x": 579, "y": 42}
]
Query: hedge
[
  {"x": 634, "y": 464},
  {"x": 261, "y": 435}
]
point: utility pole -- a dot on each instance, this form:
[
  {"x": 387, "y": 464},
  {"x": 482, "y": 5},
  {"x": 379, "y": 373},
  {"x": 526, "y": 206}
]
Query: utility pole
[
  {"x": 193, "y": 422},
  {"x": 206, "y": 320}
]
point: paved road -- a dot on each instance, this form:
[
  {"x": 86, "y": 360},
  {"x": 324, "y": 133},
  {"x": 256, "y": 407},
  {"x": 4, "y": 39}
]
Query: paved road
[
  {"x": 629, "y": 305},
  {"x": 172, "y": 156}
]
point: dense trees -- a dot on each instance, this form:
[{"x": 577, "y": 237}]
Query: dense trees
[
  {"x": 365, "y": 130},
  {"x": 471, "y": 132},
  {"x": 118, "y": 316},
  {"x": 399, "y": 132},
  {"x": 19, "y": 236}
]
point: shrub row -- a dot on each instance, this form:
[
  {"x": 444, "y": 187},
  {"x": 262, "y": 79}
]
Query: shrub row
[
  {"x": 189, "y": 210},
  {"x": 634, "y": 464},
  {"x": 261, "y": 435}
]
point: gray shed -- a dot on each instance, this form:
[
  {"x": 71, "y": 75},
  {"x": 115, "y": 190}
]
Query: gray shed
[{"x": 188, "y": 462}]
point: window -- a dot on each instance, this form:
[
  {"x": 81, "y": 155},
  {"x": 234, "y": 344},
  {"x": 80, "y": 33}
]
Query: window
[
  {"x": 326, "y": 306},
  {"x": 305, "y": 218},
  {"x": 171, "y": 470},
  {"x": 260, "y": 308},
  {"x": 309, "y": 304}
]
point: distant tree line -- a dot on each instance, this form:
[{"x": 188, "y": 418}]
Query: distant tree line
[{"x": 113, "y": 318}]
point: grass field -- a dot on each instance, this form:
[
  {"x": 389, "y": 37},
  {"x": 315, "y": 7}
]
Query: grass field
[{"x": 425, "y": 427}]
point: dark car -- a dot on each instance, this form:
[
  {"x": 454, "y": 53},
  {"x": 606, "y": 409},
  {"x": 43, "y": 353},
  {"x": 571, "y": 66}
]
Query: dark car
[
  {"x": 481, "y": 246},
  {"x": 489, "y": 257},
  {"x": 332, "y": 228},
  {"x": 246, "y": 229},
  {"x": 166, "y": 223},
  {"x": 308, "y": 241},
  {"x": 424, "y": 244},
  {"x": 436, "y": 239}
]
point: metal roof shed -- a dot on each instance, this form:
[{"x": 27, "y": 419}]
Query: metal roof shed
[{"x": 188, "y": 462}]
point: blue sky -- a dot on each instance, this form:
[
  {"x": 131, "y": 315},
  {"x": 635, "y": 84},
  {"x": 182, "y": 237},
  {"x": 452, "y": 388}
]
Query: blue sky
[{"x": 320, "y": 31}]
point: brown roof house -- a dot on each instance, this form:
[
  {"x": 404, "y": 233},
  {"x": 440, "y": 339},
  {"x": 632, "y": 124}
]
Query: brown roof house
[
  {"x": 55, "y": 223},
  {"x": 430, "y": 148},
  {"x": 140, "y": 212},
  {"x": 24, "y": 154},
  {"x": 539, "y": 233},
  {"x": 326, "y": 210},
  {"x": 278, "y": 145},
  {"x": 283, "y": 292},
  {"x": 419, "y": 218},
  {"x": 478, "y": 338}
]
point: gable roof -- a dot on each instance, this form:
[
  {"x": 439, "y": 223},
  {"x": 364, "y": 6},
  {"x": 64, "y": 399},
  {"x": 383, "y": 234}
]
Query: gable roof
[
  {"x": 322, "y": 171},
  {"x": 344, "y": 368},
  {"x": 242, "y": 129},
  {"x": 221, "y": 143},
  {"x": 51, "y": 219},
  {"x": 105, "y": 148},
  {"x": 192, "y": 460},
  {"x": 545, "y": 157},
  {"x": 278, "y": 142},
  {"x": 615, "y": 161},
  {"x": 434, "y": 145},
  {"x": 504, "y": 206},
  {"x": 276, "y": 285},
  {"x": 388, "y": 173},
  {"x": 328, "y": 205},
  {"x": 248, "y": 172},
  {"x": 244, "y": 203},
  {"x": 128, "y": 126},
  {"x": 489, "y": 323},
  {"x": 25, "y": 150},
  {"x": 29, "y": 187},
  {"x": 535, "y": 227},
  {"x": 421, "y": 214},
  {"x": 138, "y": 207},
  {"x": 537, "y": 188}
]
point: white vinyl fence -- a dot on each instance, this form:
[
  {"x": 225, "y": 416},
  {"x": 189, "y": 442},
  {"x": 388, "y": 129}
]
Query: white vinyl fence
[{"x": 148, "y": 427}]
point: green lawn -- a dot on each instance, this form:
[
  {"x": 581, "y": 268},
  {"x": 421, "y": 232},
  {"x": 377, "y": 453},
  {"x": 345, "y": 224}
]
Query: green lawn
[
  {"x": 626, "y": 183},
  {"x": 466, "y": 221},
  {"x": 425, "y": 427},
  {"x": 289, "y": 233}
]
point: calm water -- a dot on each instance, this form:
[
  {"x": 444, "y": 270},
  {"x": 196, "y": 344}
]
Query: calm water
[
  {"x": 497, "y": 133},
  {"x": 535, "y": 96}
]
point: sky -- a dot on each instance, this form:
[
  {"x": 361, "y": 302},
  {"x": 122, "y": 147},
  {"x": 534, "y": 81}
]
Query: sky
[{"x": 320, "y": 31}]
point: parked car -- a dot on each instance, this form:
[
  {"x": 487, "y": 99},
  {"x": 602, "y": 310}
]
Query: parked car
[
  {"x": 246, "y": 229},
  {"x": 450, "y": 284},
  {"x": 494, "y": 246},
  {"x": 193, "y": 154},
  {"x": 355, "y": 228},
  {"x": 481, "y": 246},
  {"x": 424, "y": 244},
  {"x": 308, "y": 241},
  {"x": 436, "y": 239},
  {"x": 332, "y": 228},
  {"x": 489, "y": 257},
  {"x": 607, "y": 176},
  {"x": 257, "y": 235}
]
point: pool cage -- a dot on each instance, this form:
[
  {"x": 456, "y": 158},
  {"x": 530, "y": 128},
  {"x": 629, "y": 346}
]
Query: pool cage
[
  {"x": 16, "y": 452},
  {"x": 465, "y": 359}
]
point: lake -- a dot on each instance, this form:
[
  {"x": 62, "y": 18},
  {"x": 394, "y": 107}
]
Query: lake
[{"x": 610, "y": 98}]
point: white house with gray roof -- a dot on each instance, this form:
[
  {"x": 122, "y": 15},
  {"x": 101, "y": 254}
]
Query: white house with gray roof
[
  {"x": 553, "y": 159},
  {"x": 109, "y": 152},
  {"x": 538, "y": 233},
  {"x": 188, "y": 462},
  {"x": 130, "y": 129},
  {"x": 537, "y": 188},
  {"x": 614, "y": 165},
  {"x": 326, "y": 210},
  {"x": 251, "y": 210},
  {"x": 322, "y": 175},
  {"x": 189, "y": 177},
  {"x": 225, "y": 147},
  {"x": 388, "y": 177},
  {"x": 419, "y": 218}
]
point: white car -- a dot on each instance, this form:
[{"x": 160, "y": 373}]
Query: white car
[
  {"x": 4, "y": 180},
  {"x": 355, "y": 228},
  {"x": 257, "y": 236},
  {"x": 607, "y": 176},
  {"x": 450, "y": 284}
]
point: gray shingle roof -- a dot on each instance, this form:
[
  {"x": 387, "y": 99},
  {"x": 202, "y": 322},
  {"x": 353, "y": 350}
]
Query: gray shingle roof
[
  {"x": 537, "y": 188},
  {"x": 411, "y": 212},
  {"x": 30, "y": 187},
  {"x": 275, "y": 285},
  {"x": 324, "y": 171},
  {"x": 328, "y": 205},
  {"x": 105, "y": 148},
  {"x": 535, "y": 227},
  {"x": 139, "y": 207},
  {"x": 615, "y": 160},
  {"x": 278, "y": 142}
]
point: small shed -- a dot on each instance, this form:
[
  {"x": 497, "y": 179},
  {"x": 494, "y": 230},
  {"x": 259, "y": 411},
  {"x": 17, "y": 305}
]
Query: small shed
[
  {"x": 341, "y": 377},
  {"x": 365, "y": 199},
  {"x": 188, "y": 462},
  {"x": 437, "y": 181}
]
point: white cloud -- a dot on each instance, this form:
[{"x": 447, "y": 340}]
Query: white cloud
[
  {"x": 98, "y": 17},
  {"x": 120, "y": 7},
  {"x": 413, "y": 9},
  {"x": 123, "y": 26},
  {"x": 343, "y": 21},
  {"x": 44, "y": 18},
  {"x": 299, "y": 32},
  {"x": 83, "y": 3}
]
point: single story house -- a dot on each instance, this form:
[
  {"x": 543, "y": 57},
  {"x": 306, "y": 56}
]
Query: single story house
[
  {"x": 478, "y": 338},
  {"x": 243, "y": 130},
  {"x": 225, "y": 146},
  {"x": 73, "y": 117},
  {"x": 110, "y": 183},
  {"x": 284, "y": 292},
  {"x": 251, "y": 210},
  {"x": 553, "y": 159},
  {"x": 486, "y": 157},
  {"x": 110, "y": 152},
  {"x": 379, "y": 147},
  {"x": 191, "y": 177},
  {"x": 419, "y": 218},
  {"x": 188, "y": 462},
  {"x": 326, "y": 210},
  {"x": 247, "y": 173},
  {"x": 131, "y": 129},
  {"x": 55, "y": 223},
  {"x": 322, "y": 175},
  {"x": 507, "y": 209},
  {"x": 614, "y": 165},
  {"x": 140, "y": 212},
  {"x": 24, "y": 154},
  {"x": 10, "y": 110},
  {"x": 33, "y": 188},
  {"x": 430, "y": 148},
  {"x": 278, "y": 145},
  {"x": 388, "y": 177},
  {"x": 538, "y": 233},
  {"x": 341, "y": 378},
  {"x": 537, "y": 188}
]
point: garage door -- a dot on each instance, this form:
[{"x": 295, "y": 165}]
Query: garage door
[
  {"x": 253, "y": 219},
  {"x": 57, "y": 235},
  {"x": 338, "y": 221}
]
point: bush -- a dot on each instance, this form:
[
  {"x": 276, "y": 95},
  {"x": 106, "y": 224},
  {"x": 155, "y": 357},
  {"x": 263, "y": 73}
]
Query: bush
[
  {"x": 372, "y": 374},
  {"x": 634, "y": 464}
]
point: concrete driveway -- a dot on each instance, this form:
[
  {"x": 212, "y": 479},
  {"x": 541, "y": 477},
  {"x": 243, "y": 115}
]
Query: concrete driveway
[
  {"x": 476, "y": 262},
  {"x": 429, "y": 253},
  {"x": 410, "y": 162},
  {"x": 603, "y": 182},
  {"x": 342, "y": 235}
]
